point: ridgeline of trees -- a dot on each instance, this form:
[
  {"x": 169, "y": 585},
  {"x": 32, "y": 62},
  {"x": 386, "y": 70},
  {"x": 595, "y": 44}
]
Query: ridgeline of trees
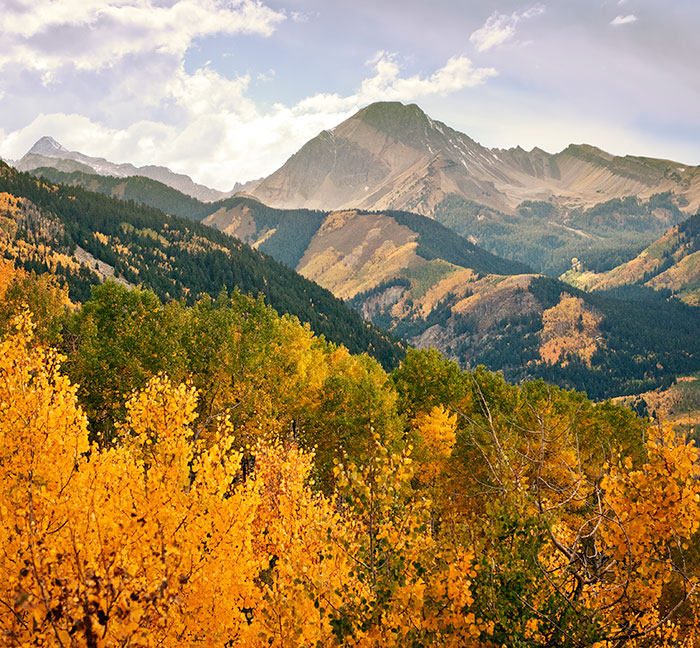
[
  {"x": 179, "y": 259},
  {"x": 138, "y": 189}
]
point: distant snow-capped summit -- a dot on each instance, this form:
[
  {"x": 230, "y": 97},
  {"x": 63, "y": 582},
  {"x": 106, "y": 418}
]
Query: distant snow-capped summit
[
  {"x": 49, "y": 147},
  {"x": 47, "y": 152}
]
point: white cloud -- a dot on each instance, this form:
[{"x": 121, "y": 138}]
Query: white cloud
[
  {"x": 149, "y": 109},
  {"x": 500, "y": 28},
  {"x": 206, "y": 92},
  {"x": 497, "y": 30},
  {"x": 218, "y": 135},
  {"x": 90, "y": 34},
  {"x": 623, "y": 20},
  {"x": 387, "y": 84},
  {"x": 456, "y": 74},
  {"x": 266, "y": 77},
  {"x": 536, "y": 10},
  {"x": 301, "y": 16}
]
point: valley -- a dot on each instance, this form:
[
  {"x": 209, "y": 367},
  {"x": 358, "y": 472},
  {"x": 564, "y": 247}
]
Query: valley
[{"x": 421, "y": 281}]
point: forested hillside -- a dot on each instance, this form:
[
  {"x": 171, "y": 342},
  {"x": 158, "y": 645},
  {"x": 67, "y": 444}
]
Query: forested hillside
[
  {"x": 548, "y": 235},
  {"x": 216, "y": 475},
  {"x": 606, "y": 344},
  {"x": 83, "y": 236},
  {"x": 544, "y": 236},
  {"x": 136, "y": 188},
  {"x": 670, "y": 265}
]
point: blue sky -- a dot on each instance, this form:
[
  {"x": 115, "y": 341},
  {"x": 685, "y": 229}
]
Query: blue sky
[{"x": 227, "y": 90}]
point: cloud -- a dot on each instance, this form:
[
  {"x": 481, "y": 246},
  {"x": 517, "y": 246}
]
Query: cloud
[
  {"x": 387, "y": 84},
  {"x": 217, "y": 134},
  {"x": 302, "y": 17},
  {"x": 266, "y": 77},
  {"x": 500, "y": 28},
  {"x": 456, "y": 74},
  {"x": 45, "y": 35},
  {"x": 623, "y": 20},
  {"x": 137, "y": 101}
]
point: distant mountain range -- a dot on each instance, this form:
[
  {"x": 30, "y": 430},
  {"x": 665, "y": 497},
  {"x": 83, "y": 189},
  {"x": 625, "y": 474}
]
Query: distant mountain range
[
  {"x": 47, "y": 152},
  {"x": 394, "y": 156},
  {"x": 538, "y": 208},
  {"x": 412, "y": 276},
  {"x": 427, "y": 277}
]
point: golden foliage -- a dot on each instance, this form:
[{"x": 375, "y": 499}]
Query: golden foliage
[
  {"x": 176, "y": 536},
  {"x": 163, "y": 539},
  {"x": 569, "y": 329},
  {"x": 436, "y": 432}
]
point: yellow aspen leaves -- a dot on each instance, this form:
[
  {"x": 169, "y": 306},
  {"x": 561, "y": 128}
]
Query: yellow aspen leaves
[
  {"x": 175, "y": 535},
  {"x": 436, "y": 432},
  {"x": 164, "y": 539}
]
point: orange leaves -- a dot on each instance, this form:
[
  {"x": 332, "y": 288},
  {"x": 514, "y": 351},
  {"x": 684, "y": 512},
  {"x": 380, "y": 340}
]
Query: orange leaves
[
  {"x": 120, "y": 547},
  {"x": 7, "y": 274},
  {"x": 42, "y": 431},
  {"x": 160, "y": 540},
  {"x": 158, "y": 430},
  {"x": 654, "y": 513},
  {"x": 569, "y": 329},
  {"x": 659, "y": 500}
]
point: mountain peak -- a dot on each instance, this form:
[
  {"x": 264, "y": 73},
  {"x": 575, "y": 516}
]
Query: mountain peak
[
  {"x": 391, "y": 116},
  {"x": 48, "y": 147}
]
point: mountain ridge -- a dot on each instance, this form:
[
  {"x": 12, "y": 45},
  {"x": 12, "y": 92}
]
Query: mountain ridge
[
  {"x": 670, "y": 264},
  {"x": 397, "y": 270},
  {"x": 67, "y": 230},
  {"x": 394, "y": 156},
  {"x": 524, "y": 325},
  {"x": 47, "y": 152}
]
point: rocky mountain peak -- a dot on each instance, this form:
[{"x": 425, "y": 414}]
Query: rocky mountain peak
[
  {"x": 390, "y": 116},
  {"x": 48, "y": 147}
]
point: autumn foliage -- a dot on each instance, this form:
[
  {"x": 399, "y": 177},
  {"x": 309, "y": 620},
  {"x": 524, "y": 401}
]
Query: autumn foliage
[{"x": 287, "y": 493}]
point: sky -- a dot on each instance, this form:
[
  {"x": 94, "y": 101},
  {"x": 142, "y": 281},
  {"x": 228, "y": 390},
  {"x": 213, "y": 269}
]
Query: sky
[{"x": 226, "y": 90}]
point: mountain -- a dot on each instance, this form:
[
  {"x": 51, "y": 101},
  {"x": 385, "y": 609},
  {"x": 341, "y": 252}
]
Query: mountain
[
  {"x": 671, "y": 264},
  {"x": 388, "y": 241},
  {"x": 678, "y": 404},
  {"x": 534, "y": 207},
  {"x": 547, "y": 237},
  {"x": 352, "y": 250},
  {"x": 137, "y": 188},
  {"x": 394, "y": 156},
  {"x": 85, "y": 237},
  {"x": 47, "y": 152}
]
